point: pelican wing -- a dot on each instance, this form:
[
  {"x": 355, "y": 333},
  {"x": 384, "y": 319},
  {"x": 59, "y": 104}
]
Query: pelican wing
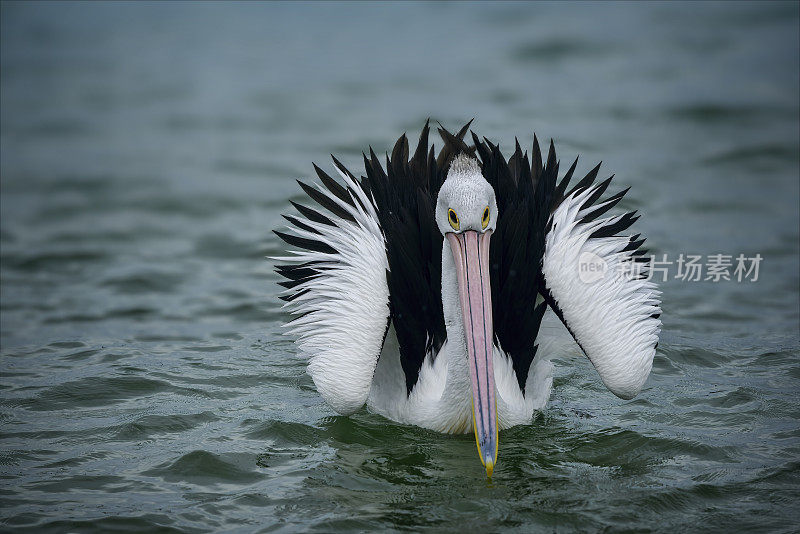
[
  {"x": 336, "y": 286},
  {"x": 545, "y": 235},
  {"x": 595, "y": 283},
  {"x": 405, "y": 195},
  {"x": 371, "y": 257},
  {"x": 517, "y": 248}
]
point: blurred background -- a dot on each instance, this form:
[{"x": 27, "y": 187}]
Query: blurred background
[{"x": 148, "y": 149}]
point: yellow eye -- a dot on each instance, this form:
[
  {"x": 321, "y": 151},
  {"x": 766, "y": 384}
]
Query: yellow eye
[
  {"x": 452, "y": 218},
  {"x": 485, "y": 219}
]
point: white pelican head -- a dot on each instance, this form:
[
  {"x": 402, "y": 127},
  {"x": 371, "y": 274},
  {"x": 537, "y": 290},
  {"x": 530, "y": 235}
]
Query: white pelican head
[{"x": 466, "y": 214}]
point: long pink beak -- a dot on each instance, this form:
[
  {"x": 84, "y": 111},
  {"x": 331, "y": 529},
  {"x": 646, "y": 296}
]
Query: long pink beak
[{"x": 471, "y": 255}]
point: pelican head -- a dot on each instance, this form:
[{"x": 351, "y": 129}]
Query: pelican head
[{"x": 466, "y": 213}]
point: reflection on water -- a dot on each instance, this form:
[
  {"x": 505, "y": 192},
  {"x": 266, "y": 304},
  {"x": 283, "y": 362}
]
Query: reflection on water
[{"x": 147, "y": 151}]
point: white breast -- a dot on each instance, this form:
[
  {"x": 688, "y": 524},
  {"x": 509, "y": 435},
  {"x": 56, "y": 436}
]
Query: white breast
[{"x": 441, "y": 399}]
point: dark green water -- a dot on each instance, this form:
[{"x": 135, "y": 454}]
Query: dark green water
[{"x": 147, "y": 151}]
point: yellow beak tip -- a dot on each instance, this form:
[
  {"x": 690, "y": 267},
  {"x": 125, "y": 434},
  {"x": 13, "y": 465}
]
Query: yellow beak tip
[{"x": 489, "y": 468}]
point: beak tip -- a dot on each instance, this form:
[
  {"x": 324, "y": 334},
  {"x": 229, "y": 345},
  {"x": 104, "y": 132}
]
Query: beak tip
[{"x": 489, "y": 467}]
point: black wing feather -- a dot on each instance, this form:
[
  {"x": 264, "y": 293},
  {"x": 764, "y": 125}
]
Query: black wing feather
[
  {"x": 311, "y": 214},
  {"x": 405, "y": 197}
]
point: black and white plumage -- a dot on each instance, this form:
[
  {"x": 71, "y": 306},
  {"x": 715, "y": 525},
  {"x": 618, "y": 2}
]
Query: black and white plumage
[{"x": 415, "y": 286}]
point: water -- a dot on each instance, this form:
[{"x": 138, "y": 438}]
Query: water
[{"x": 147, "y": 151}]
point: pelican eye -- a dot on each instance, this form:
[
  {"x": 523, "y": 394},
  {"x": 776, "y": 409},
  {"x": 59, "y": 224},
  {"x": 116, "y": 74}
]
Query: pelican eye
[
  {"x": 485, "y": 218},
  {"x": 452, "y": 218}
]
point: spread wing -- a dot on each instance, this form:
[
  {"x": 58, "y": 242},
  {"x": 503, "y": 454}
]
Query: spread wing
[
  {"x": 336, "y": 287},
  {"x": 545, "y": 235},
  {"x": 516, "y": 251},
  {"x": 595, "y": 284},
  {"x": 368, "y": 255},
  {"x": 405, "y": 195}
]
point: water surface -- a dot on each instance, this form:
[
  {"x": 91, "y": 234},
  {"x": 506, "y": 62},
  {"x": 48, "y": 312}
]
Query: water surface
[{"x": 148, "y": 150}]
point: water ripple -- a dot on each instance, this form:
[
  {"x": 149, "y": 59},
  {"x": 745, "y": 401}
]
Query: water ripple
[{"x": 148, "y": 150}]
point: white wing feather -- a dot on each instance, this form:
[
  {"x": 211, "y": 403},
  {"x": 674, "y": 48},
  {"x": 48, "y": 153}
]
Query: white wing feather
[
  {"x": 343, "y": 311},
  {"x": 614, "y": 319}
]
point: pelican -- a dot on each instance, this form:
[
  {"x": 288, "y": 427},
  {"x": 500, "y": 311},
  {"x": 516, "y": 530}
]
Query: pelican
[{"x": 419, "y": 289}]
